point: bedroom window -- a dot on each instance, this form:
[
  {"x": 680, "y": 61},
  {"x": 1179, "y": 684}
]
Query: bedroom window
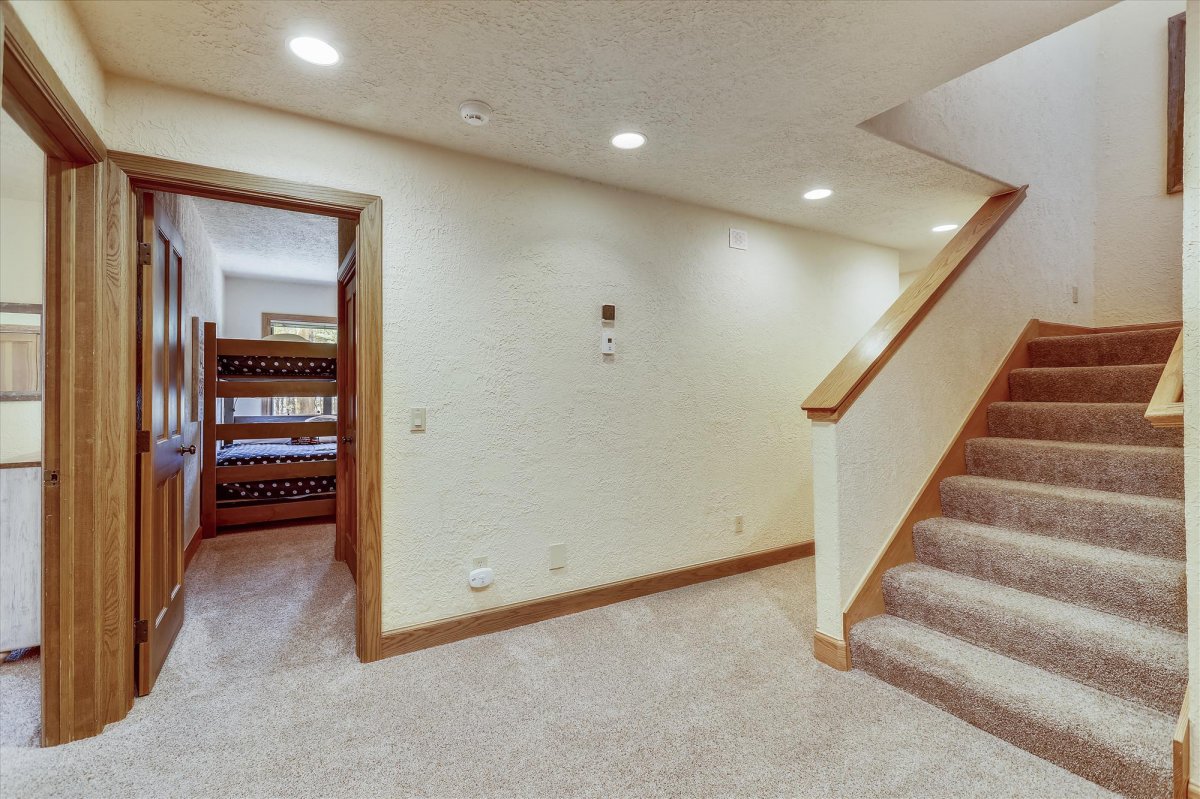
[{"x": 318, "y": 329}]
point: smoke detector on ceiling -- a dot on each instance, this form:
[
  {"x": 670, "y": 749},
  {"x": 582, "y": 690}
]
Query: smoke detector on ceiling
[{"x": 475, "y": 112}]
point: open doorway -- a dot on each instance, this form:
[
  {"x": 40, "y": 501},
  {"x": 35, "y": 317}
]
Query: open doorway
[
  {"x": 243, "y": 382},
  {"x": 22, "y": 286}
]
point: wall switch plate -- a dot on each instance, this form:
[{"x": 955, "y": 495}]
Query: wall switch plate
[
  {"x": 739, "y": 239},
  {"x": 607, "y": 345},
  {"x": 418, "y": 420},
  {"x": 739, "y": 525},
  {"x": 1075, "y": 294},
  {"x": 558, "y": 556}
]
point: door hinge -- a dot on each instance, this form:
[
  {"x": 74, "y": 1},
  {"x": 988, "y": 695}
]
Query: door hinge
[
  {"x": 143, "y": 441},
  {"x": 141, "y": 631},
  {"x": 51, "y": 478},
  {"x": 144, "y": 253}
]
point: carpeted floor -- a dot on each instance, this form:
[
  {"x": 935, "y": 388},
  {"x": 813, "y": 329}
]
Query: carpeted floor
[{"x": 708, "y": 691}]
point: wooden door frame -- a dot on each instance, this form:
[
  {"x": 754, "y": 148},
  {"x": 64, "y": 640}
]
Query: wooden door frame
[
  {"x": 147, "y": 173},
  {"x": 88, "y": 402}
]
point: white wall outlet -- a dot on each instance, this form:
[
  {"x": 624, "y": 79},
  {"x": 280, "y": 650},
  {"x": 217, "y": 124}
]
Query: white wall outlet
[
  {"x": 481, "y": 578},
  {"x": 739, "y": 239},
  {"x": 479, "y": 563},
  {"x": 739, "y": 525},
  {"x": 558, "y": 556},
  {"x": 608, "y": 345},
  {"x": 418, "y": 420}
]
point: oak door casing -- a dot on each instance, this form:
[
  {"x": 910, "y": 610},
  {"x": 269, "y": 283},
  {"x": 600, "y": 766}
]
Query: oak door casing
[{"x": 160, "y": 593}]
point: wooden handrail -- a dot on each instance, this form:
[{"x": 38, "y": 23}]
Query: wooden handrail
[
  {"x": 834, "y": 396},
  {"x": 1166, "y": 406}
]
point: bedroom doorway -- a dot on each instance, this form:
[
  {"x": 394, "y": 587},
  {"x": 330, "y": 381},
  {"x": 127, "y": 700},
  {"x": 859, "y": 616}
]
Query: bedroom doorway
[{"x": 247, "y": 397}]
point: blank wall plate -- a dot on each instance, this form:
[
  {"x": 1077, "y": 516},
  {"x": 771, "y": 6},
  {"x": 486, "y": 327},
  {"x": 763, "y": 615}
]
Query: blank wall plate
[
  {"x": 558, "y": 556},
  {"x": 739, "y": 525},
  {"x": 739, "y": 239}
]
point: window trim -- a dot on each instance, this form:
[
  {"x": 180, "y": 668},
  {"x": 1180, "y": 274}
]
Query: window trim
[{"x": 270, "y": 317}]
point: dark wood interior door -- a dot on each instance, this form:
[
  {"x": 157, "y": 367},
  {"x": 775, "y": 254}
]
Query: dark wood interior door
[
  {"x": 346, "y": 546},
  {"x": 161, "y": 448}
]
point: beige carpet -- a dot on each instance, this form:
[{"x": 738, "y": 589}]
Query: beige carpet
[{"x": 708, "y": 691}]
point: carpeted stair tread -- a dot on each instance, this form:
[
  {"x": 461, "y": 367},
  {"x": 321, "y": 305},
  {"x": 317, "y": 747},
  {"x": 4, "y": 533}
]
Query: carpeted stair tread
[
  {"x": 1086, "y": 422},
  {"x": 1148, "y": 471},
  {"x": 1104, "y": 349},
  {"x": 1085, "y": 383},
  {"x": 1125, "y": 658},
  {"x": 1121, "y": 745},
  {"x": 1148, "y": 525},
  {"x": 1144, "y": 588}
]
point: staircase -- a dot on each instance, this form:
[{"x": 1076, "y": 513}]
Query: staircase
[{"x": 1047, "y": 604}]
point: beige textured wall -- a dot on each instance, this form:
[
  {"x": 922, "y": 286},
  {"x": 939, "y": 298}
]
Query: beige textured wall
[
  {"x": 1191, "y": 379},
  {"x": 493, "y": 278},
  {"x": 202, "y": 297}
]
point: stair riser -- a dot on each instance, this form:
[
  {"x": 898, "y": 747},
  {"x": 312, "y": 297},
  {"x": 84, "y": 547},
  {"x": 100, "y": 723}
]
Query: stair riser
[
  {"x": 1150, "y": 595},
  {"x": 1100, "y": 423},
  {"x": 1076, "y": 753},
  {"x": 1154, "y": 472},
  {"x": 1088, "y": 660},
  {"x": 1130, "y": 384},
  {"x": 1148, "y": 346},
  {"x": 1151, "y": 527}
]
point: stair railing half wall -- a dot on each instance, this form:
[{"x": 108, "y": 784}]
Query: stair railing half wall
[{"x": 841, "y": 387}]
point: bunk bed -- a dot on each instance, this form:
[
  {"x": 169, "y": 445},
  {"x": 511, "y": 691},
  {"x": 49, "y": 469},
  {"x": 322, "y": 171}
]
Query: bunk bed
[{"x": 266, "y": 468}]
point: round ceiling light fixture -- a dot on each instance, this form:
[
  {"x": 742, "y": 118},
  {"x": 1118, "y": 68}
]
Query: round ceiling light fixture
[
  {"x": 475, "y": 112},
  {"x": 943, "y": 228},
  {"x": 629, "y": 140},
  {"x": 818, "y": 194},
  {"x": 314, "y": 51}
]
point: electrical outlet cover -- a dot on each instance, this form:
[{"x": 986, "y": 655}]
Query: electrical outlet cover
[{"x": 739, "y": 239}]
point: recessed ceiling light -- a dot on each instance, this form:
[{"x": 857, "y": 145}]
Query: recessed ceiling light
[
  {"x": 944, "y": 228},
  {"x": 314, "y": 51},
  {"x": 817, "y": 194},
  {"x": 629, "y": 140}
]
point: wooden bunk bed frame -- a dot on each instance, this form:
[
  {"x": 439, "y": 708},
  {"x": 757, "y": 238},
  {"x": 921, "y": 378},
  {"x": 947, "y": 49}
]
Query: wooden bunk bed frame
[{"x": 218, "y": 386}]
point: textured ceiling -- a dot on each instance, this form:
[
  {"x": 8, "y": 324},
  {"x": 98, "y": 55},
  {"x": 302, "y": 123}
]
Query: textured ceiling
[
  {"x": 271, "y": 244},
  {"x": 747, "y": 104}
]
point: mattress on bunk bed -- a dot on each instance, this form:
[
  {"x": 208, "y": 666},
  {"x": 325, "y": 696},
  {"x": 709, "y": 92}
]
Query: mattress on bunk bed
[
  {"x": 276, "y": 366},
  {"x": 279, "y": 488}
]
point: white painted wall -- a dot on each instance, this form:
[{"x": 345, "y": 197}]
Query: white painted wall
[
  {"x": 246, "y": 299},
  {"x": 1033, "y": 117},
  {"x": 203, "y": 288},
  {"x": 494, "y": 275},
  {"x": 1191, "y": 367}
]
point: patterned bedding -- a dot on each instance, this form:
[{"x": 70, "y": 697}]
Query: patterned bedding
[
  {"x": 251, "y": 453},
  {"x": 276, "y": 366}
]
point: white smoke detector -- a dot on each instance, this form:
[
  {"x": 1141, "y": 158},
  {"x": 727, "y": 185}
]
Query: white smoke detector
[{"x": 475, "y": 112}]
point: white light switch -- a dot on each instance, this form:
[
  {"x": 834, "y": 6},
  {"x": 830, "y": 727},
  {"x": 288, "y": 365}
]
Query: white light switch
[
  {"x": 558, "y": 556},
  {"x": 607, "y": 345},
  {"x": 418, "y": 420}
]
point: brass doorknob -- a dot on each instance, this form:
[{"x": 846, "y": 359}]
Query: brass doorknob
[{"x": 188, "y": 450}]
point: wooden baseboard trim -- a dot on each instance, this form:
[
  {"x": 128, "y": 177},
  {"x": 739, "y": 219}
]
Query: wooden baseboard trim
[
  {"x": 1193, "y": 790},
  {"x": 193, "y": 547},
  {"x": 831, "y": 651},
  {"x": 422, "y": 636}
]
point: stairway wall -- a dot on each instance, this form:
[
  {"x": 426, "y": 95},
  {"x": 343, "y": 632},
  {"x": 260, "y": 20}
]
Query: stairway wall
[
  {"x": 1029, "y": 117},
  {"x": 1191, "y": 359}
]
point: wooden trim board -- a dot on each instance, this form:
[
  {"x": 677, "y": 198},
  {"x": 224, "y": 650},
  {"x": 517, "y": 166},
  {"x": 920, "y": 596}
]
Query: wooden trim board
[
  {"x": 193, "y": 547},
  {"x": 278, "y": 316},
  {"x": 422, "y": 636},
  {"x": 1166, "y": 406},
  {"x": 1181, "y": 750},
  {"x": 837, "y": 392},
  {"x": 275, "y": 512},
  {"x": 831, "y": 651},
  {"x": 1176, "y": 54}
]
